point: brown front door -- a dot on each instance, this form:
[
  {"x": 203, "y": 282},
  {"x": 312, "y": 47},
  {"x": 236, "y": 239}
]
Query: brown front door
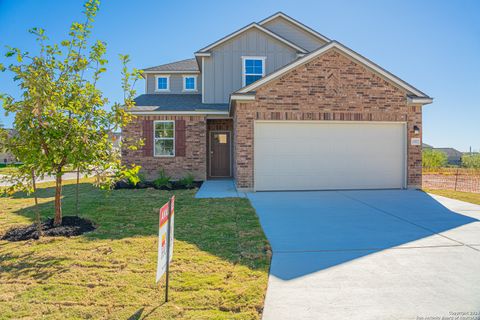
[{"x": 220, "y": 154}]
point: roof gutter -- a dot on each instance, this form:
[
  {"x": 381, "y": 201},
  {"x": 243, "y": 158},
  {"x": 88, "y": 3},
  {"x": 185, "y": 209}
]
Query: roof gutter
[
  {"x": 202, "y": 54},
  {"x": 242, "y": 97},
  {"x": 206, "y": 112},
  {"x": 171, "y": 71},
  {"x": 419, "y": 100}
]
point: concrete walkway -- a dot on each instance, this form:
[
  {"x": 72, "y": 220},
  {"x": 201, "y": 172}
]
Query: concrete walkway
[
  {"x": 66, "y": 176},
  {"x": 219, "y": 189},
  {"x": 390, "y": 254}
]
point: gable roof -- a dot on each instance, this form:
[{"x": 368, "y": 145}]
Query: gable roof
[
  {"x": 294, "y": 22},
  {"x": 450, "y": 152},
  {"x": 426, "y": 146},
  {"x": 246, "y": 28},
  {"x": 416, "y": 96},
  {"x": 187, "y": 65}
]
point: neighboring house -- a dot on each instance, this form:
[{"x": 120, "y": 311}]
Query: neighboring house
[
  {"x": 454, "y": 157},
  {"x": 276, "y": 105},
  {"x": 116, "y": 139},
  {"x": 426, "y": 146},
  {"x": 7, "y": 157}
]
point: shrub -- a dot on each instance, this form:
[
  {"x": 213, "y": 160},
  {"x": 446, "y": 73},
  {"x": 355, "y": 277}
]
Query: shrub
[
  {"x": 433, "y": 158},
  {"x": 131, "y": 175},
  {"x": 471, "y": 161},
  {"x": 142, "y": 177},
  {"x": 163, "y": 181},
  {"x": 187, "y": 181}
]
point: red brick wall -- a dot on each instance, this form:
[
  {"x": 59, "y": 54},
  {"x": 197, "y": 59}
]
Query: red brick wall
[
  {"x": 330, "y": 87},
  {"x": 220, "y": 124},
  {"x": 194, "y": 160}
]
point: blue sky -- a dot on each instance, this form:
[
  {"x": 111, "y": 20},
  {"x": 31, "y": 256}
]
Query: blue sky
[{"x": 434, "y": 45}]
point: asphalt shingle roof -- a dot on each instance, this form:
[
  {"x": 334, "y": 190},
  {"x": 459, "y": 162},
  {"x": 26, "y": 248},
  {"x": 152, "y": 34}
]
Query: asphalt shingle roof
[
  {"x": 175, "y": 102},
  {"x": 182, "y": 65}
]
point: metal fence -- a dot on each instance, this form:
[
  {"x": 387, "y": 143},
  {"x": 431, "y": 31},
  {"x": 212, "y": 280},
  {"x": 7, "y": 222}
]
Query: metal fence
[{"x": 457, "y": 179}]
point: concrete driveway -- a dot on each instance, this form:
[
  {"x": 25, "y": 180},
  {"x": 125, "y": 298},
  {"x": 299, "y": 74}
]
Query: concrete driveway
[{"x": 385, "y": 254}]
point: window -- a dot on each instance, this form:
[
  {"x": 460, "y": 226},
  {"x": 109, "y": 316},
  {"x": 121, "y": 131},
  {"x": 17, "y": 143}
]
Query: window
[
  {"x": 164, "y": 138},
  {"x": 253, "y": 69},
  {"x": 163, "y": 83},
  {"x": 189, "y": 83}
]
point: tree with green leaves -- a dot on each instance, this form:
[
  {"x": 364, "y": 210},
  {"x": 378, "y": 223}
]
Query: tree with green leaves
[
  {"x": 62, "y": 119},
  {"x": 433, "y": 158},
  {"x": 471, "y": 161}
]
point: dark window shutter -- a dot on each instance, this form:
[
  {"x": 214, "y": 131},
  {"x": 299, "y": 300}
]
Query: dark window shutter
[
  {"x": 180, "y": 147},
  {"x": 148, "y": 138}
]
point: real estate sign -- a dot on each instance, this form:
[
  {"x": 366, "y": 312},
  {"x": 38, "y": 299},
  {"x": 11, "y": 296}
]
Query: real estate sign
[{"x": 165, "y": 237}]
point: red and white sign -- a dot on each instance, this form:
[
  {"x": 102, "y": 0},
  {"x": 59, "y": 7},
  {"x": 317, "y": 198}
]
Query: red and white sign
[{"x": 163, "y": 242}]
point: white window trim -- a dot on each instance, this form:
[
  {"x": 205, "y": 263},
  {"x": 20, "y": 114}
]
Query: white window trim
[
  {"x": 251, "y": 58},
  {"x": 155, "y": 139},
  {"x": 168, "y": 83},
  {"x": 185, "y": 83}
]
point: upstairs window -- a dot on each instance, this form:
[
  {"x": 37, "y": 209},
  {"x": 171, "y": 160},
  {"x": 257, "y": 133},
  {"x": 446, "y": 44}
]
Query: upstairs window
[
  {"x": 164, "y": 137},
  {"x": 163, "y": 83},
  {"x": 253, "y": 69},
  {"x": 190, "y": 83}
]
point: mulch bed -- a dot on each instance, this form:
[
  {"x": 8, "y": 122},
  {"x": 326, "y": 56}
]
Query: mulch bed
[
  {"x": 71, "y": 226},
  {"x": 174, "y": 185}
]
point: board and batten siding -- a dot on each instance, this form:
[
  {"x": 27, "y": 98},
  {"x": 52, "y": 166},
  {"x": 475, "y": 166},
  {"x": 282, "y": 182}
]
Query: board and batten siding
[
  {"x": 223, "y": 69},
  {"x": 176, "y": 83},
  {"x": 294, "y": 34}
]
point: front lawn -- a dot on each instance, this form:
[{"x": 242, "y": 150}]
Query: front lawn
[
  {"x": 9, "y": 169},
  {"x": 219, "y": 270},
  {"x": 463, "y": 196}
]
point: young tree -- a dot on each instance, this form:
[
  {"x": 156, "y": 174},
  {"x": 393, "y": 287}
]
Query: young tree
[
  {"x": 61, "y": 118},
  {"x": 471, "y": 161},
  {"x": 433, "y": 158}
]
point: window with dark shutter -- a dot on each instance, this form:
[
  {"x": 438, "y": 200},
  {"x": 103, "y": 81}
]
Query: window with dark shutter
[
  {"x": 180, "y": 146},
  {"x": 148, "y": 138}
]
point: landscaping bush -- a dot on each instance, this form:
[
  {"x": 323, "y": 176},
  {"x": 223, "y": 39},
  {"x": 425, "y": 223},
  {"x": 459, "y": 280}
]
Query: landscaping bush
[
  {"x": 433, "y": 158},
  {"x": 471, "y": 161},
  {"x": 143, "y": 183},
  {"x": 163, "y": 181},
  {"x": 188, "y": 181}
]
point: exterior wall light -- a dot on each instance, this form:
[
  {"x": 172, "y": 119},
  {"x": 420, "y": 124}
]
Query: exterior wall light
[{"x": 416, "y": 130}]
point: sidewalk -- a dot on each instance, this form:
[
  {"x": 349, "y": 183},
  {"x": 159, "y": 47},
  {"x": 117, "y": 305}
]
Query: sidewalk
[{"x": 66, "y": 176}]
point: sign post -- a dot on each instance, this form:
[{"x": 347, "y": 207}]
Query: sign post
[
  {"x": 168, "y": 248},
  {"x": 165, "y": 241}
]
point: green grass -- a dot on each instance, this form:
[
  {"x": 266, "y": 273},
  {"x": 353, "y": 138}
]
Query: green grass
[
  {"x": 219, "y": 270},
  {"x": 9, "y": 169},
  {"x": 463, "y": 196}
]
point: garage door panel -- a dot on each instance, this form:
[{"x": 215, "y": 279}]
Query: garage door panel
[{"x": 320, "y": 155}]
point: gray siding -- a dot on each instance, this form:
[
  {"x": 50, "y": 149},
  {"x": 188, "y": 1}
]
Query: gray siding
[
  {"x": 176, "y": 84},
  {"x": 294, "y": 34},
  {"x": 223, "y": 69}
]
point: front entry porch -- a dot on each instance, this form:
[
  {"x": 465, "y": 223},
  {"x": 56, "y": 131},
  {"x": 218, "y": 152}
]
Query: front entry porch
[
  {"x": 219, "y": 148},
  {"x": 220, "y": 188}
]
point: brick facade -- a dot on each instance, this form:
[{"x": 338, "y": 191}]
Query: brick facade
[
  {"x": 177, "y": 167},
  {"x": 330, "y": 87}
]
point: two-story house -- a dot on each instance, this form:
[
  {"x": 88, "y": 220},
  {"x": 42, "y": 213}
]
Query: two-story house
[{"x": 276, "y": 105}]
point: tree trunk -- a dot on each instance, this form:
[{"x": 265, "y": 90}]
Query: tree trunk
[
  {"x": 37, "y": 210},
  {"x": 76, "y": 194},
  {"x": 58, "y": 200}
]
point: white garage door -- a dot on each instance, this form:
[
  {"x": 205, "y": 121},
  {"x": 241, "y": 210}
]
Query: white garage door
[{"x": 301, "y": 155}]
